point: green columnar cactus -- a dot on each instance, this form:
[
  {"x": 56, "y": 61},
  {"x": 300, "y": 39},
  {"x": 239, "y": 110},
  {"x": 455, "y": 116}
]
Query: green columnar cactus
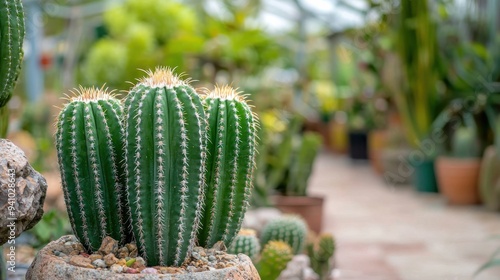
[
  {"x": 275, "y": 257},
  {"x": 90, "y": 151},
  {"x": 302, "y": 164},
  {"x": 246, "y": 242},
  {"x": 289, "y": 228},
  {"x": 231, "y": 159},
  {"x": 165, "y": 147},
  {"x": 11, "y": 54},
  {"x": 320, "y": 255},
  {"x": 11, "y": 46}
]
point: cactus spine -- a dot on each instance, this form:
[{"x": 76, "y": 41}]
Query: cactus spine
[
  {"x": 90, "y": 151},
  {"x": 320, "y": 255},
  {"x": 165, "y": 143},
  {"x": 275, "y": 256},
  {"x": 289, "y": 228},
  {"x": 231, "y": 159},
  {"x": 246, "y": 242}
]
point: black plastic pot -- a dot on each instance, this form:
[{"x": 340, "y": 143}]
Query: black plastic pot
[{"x": 358, "y": 144}]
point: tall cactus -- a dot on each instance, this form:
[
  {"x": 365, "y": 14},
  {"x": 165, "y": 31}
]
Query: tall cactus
[
  {"x": 231, "y": 155},
  {"x": 90, "y": 151},
  {"x": 165, "y": 147},
  {"x": 11, "y": 53}
]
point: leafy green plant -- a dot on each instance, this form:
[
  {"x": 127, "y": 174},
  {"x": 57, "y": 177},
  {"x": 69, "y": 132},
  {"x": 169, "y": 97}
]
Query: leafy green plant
[
  {"x": 53, "y": 225},
  {"x": 142, "y": 34}
]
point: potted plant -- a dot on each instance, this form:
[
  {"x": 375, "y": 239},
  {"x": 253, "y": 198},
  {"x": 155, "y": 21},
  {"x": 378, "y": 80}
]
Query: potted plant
[
  {"x": 414, "y": 89},
  {"x": 293, "y": 196},
  {"x": 168, "y": 168},
  {"x": 457, "y": 168}
]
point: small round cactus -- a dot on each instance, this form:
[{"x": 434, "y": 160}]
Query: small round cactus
[
  {"x": 275, "y": 257},
  {"x": 289, "y": 228},
  {"x": 246, "y": 242}
]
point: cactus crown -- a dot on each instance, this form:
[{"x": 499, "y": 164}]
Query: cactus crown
[
  {"x": 90, "y": 94},
  {"x": 163, "y": 77}
]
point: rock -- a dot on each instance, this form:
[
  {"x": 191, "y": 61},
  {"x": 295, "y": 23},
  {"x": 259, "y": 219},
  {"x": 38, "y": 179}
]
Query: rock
[
  {"x": 219, "y": 246},
  {"x": 132, "y": 248},
  {"x": 80, "y": 261},
  {"x": 258, "y": 218},
  {"x": 110, "y": 259},
  {"x": 116, "y": 268},
  {"x": 122, "y": 253},
  {"x": 47, "y": 266},
  {"x": 99, "y": 263},
  {"x": 94, "y": 257},
  {"x": 149, "y": 270},
  {"x": 130, "y": 270},
  {"x": 18, "y": 179},
  {"x": 108, "y": 245}
]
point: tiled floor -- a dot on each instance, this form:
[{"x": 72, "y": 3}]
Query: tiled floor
[{"x": 387, "y": 232}]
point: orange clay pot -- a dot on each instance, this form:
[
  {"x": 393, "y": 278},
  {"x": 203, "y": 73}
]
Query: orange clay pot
[{"x": 458, "y": 179}]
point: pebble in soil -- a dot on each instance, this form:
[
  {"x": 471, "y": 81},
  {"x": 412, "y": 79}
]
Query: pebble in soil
[{"x": 125, "y": 259}]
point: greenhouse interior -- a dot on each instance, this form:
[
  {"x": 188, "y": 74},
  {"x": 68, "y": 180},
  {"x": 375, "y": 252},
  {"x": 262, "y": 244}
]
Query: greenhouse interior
[{"x": 250, "y": 139}]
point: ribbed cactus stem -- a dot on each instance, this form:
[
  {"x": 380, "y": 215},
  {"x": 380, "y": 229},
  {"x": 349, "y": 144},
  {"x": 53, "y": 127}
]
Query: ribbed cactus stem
[
  {"x": 165, "y": 142},
  {"x": 275, "y": 257},
  {"x": 289, "y": 228},
  {"x": 231, "y": 155},
  {"x": 246, "y": 242},
  {"x": 11, "y": 46},
  {"x": 89, "y": 147}
]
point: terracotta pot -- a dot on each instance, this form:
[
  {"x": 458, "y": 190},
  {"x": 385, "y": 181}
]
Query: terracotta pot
[
  {"x": 309, "y": 208},
  {"x": 458, "y": 179},
  {"x": 376, "y": 142}
]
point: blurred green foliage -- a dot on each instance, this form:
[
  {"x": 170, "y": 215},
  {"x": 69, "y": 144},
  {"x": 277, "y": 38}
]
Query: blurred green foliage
[
  {"x": 142, "y": 35},
  {"x": 53, "y": 225}
]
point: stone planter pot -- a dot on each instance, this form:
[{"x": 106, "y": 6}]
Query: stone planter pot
[{"x": 48, "y": 266}]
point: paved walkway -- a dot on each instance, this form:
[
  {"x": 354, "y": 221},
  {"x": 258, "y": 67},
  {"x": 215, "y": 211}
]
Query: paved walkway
[{"x": 386, "y": 232}]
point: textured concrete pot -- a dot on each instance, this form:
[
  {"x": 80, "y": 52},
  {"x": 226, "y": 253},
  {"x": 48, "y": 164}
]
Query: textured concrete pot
[{"x": 47, "y": 266}]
